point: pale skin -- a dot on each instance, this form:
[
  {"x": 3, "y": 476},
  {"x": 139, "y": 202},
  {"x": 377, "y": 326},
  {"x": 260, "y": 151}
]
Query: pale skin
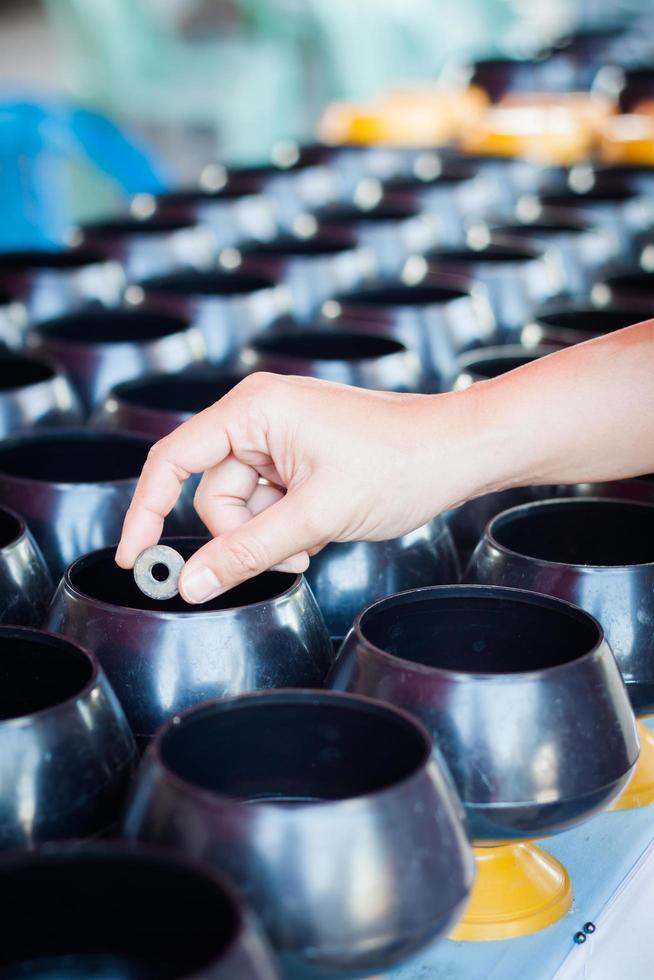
[{"x": 353, "y": 464}]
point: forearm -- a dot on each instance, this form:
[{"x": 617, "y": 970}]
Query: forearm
[{"x": 583, "y": 414}]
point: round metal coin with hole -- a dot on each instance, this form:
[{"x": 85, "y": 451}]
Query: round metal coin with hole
[{"x": 157, "y": 571}]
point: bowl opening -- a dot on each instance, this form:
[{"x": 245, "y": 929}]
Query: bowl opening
[
  {"x": 119, "y": 227},
  {"x": 206, "y": 284},
  {"x": 600, "y": 195},
  {"x": 326, "y": 345},
  {"x": 493, "y": 254},
  {"x": 18, "y": 372},
  {"x": 294, "y": 749},
  {"x": 112, "y": 326},
  {"x": 38, "y": 671},
  {"x": 93, "y": 457},
  {"x": 533, "y": 229},
  {"x": 479, "y": 633},
  {"x": 399, "y": 295},
  {"x": 493, "y": 367},
  {"x": 176, "y": 393},
  {"x": 97, "y": 577},
  {"x": 580, "y": 532},
  {"x": 638, "y": 283},
  {"x": 591, "y": 320},
  {"x": 197, "y": 195},
  {"x": 111, "y": 916},
  {"x": 348, "y": 214},
  {"x": 291, "y": 247},
  {"x": 10, "y": 528},
  {"x": 73, "y": 258}
]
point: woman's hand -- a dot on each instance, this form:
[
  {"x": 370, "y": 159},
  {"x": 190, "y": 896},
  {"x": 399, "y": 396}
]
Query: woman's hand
[{"x": 350, "y": 464}]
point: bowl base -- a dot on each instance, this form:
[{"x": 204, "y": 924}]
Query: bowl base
[
  {"x": 640, "y": 791},
  {"x": 519, "y": 889}
]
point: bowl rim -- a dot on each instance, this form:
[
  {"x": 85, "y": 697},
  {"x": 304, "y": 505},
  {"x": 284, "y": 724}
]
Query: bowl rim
[
  {"x": 19, "y": 538},
  {"x": 462, "y": 286},
  {"x": 463, "y": 588},
  {"x": 194, "y": 613},
  {"x": 54, "y": 639},
  {"x": 551, "y": 503},
  {"x": 154, "y": 753}
]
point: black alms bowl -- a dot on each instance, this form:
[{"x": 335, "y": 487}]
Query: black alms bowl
[
  {"x": 521, "y": 693},
  {"x": 25, "y": 584},
  {"x": 116, "y": 913},
  {"x": 597, "y": 553},
  {"x": 162, "y": 657},
  {"x": 66, "y": 752},
  {"x": 328, "y": 813}
]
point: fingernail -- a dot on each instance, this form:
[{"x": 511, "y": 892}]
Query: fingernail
[{"x": 200, "y": 585}]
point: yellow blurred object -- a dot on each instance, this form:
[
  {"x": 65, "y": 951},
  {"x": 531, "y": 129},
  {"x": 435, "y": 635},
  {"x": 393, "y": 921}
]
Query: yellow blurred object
[
  {"x": 545, "y": 134},
  {"x": 640, "y": 791},
  {"x": 628, "y": 139},
  {"x": 412, "y": 116},
  {"x": 519, "y": 889},
  {"x": 589, "y": 110}
]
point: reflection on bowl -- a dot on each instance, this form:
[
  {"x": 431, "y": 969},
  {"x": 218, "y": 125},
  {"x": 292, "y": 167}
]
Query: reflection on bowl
[
  {"x": 25, "y": 584},
  {"x": 34, "y": 395}
]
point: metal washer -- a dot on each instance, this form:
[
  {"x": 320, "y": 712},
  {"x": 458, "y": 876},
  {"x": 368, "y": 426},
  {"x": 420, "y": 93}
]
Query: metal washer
[{"x": 158, "y": 554}]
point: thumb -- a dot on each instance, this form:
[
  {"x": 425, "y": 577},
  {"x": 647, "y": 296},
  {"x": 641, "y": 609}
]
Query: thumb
[{"x": 272, "y": 537}]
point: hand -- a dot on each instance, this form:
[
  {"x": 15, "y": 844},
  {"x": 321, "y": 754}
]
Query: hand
[{"x": 351, "y": 464}]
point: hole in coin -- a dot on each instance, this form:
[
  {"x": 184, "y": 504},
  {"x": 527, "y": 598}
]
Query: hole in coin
[{"x": 160, "y": 572}]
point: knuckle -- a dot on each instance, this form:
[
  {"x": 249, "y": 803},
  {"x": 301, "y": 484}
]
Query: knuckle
[{"x": 245, "y": 558}]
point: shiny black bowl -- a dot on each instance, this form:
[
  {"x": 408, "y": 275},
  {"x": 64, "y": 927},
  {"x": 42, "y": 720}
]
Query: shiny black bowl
[
  {"x": 34, "y": 395},
  {"x": 66, "y": 753},
  {"x": 621, "y": 208},
  {"x": 73, "y": 487},
  {"x": 164, "y": 656},
  {"x": 328, "y": 813},
  {"x": 116, "y": 913},
  {"x": 100, "y": 348},
  {"x": 566, "y": 322},
  {"x": 521, "y": 693},
  {"x": 233, "y": 214},
  {"x": 597, "y": 553},
  {"x": 25, "y": 584},
  {"x": 364, "y": 359},
  {"x": 157, "y": 404},
  {"x": 346, "y": 577}
]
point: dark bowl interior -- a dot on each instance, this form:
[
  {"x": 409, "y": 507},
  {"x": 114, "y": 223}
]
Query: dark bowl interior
[
  {"x": 580, "y": 532},
  {"x": 112, "y": 326},
  {"x": 73, "y": 258},
  {"x": 493, "y": 254},
  {"x": 493, "y": 367},
  {"x": 97, "y": 577},
  {"x": 640, "y": 284},
  {"x": 479, "y": 633},
  {"x": 121, "y": 227},
  {"x": 38, "y": 671},
  {"x": 198, "y": 195},
  {"x": 448, "y": 178},
  {"x": 400, "y": 295},
  {"x": 19, "y": 372},
  {"x": 328, "y": 345},
  {"x": 74, "y": 457},
  {"x": 294, "y": 748},
  {"x": 111, "y": 916},
  {"x": 535, "y": 228},
  {"x": 291, "y": 247},
  {"x": 590, "y": 319},
  {"x": 180, "y": 393},
  {"x": 596, "y": 194},
  {"x": 206, "y": 284},
  {"x": 10, "y": 528},
  {"x": 350, "y": 213}
]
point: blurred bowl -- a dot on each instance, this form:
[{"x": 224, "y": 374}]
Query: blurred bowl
[
  {"x": 13, "y": 320},
  {"x": 313, "y": 267},
  {"x": 73, "y": 488},
  {"x": 346, "y": 790},
  {"x": 366, "y": 360},
  {"x": 491, "y": 362},
  {"x": 566, "y": 321},
  {"x": 151, "y": 245},
  {"x": 66, "y": 753},
  {"x": 517, "y": 277},
  {"x": 50, "y": 282},
  {"x": 582, "y": 247},
  {"x": 227, "y": 307},
  {"x": 622, "y": 209},
  {"x": 509, "y": 178},
  {"x": 549, "y": 72},
  {"x": 347, "y": 577},
  {"x": 25, "y": 584},
  {"x": 110, "y": 912},
  {"x": 232, "y": 213},
  {"x": 524, "y": 699},
  {"x": 33, "y": 395},
  {"x": 155, "y": 405},
  {"x": 100, "y": 348},
  {"x": 164, "y": 656},
  {"x": 630, "y": 286},
  {"x": 435, "y": 317},
  {"x": 597, "y": 553},
  {"x": 390, "y": 230}
]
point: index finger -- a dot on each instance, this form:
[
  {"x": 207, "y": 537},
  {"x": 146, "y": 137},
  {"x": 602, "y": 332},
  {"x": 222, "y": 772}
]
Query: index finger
[{"x": 192, "y": 448}]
